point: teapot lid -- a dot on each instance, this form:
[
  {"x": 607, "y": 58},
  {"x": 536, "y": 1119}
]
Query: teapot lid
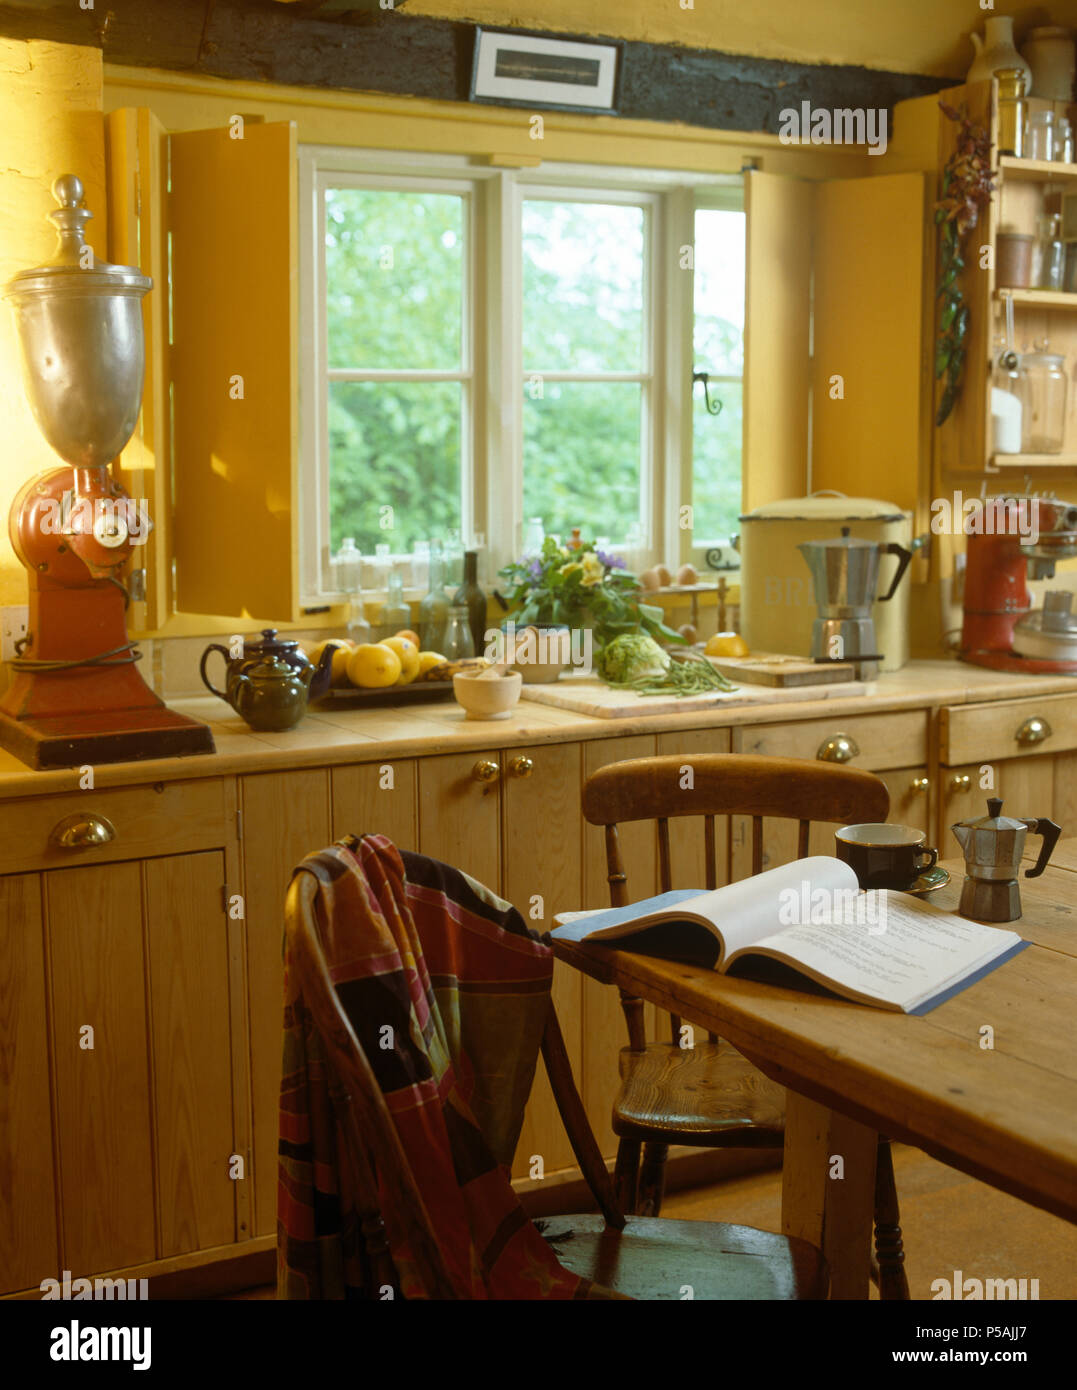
[
  {"x": 994, "y": 820},
  {"x": 270, "y": 644},
  {"x": 271, "y": 666}
]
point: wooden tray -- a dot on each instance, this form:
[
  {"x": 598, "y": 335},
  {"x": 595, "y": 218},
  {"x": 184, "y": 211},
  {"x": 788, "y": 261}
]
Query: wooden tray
[{"x": 352, "y": 697}]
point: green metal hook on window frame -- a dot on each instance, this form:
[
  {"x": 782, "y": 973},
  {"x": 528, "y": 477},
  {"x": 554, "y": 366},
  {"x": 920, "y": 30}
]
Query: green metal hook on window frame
[{"x": 704, "y": 377}]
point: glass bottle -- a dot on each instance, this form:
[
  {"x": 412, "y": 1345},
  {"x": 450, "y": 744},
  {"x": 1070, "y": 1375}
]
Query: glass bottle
[
  {"x": 534, "y": 536},
  {"x": 1044, "y": 417},
  {"x": 420, "y": 564},
  {"x": 576, "y": 543},
  {"x": 454, "y": 557},
  {"x": 458, "y": 641},
  {"x": 471, "y": 597},
  {"x": 395, "y": 613},
  {"x": 347, "y": 571},
  {"x": 1053, "y": 263},
  {"x": 434, "y": 609}
]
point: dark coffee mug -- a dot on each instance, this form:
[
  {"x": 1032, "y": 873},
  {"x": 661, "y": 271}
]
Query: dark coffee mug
[{"x": 885, "y": 856}]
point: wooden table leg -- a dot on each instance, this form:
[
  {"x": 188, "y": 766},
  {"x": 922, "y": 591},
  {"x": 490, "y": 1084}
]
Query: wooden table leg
[{"x": 829, "y": 1202}]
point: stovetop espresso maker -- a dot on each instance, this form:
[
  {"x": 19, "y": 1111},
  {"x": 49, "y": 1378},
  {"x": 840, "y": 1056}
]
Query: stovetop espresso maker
[
  {"x": 844, "y": 573},
  {"x": 993, "y": 846}
]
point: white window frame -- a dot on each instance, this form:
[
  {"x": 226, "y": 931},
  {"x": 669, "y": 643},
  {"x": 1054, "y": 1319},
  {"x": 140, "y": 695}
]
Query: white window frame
[{"x": 493, "y": 436}]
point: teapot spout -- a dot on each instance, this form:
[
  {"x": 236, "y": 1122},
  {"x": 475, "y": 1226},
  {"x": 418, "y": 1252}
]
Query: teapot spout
[
  {"x": 962, "y": 832},
  {"x": 977, "y": 43},
  {"x": 316, "y": 678}
]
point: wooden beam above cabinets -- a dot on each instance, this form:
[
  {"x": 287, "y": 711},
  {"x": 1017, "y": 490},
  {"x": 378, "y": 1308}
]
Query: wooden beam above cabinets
[{"x": 368, "y": 48}]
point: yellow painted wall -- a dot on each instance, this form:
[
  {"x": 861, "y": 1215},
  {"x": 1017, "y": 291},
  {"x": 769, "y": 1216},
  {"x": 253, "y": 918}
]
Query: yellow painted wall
[
  {"x": 50, "y": 124},
  {"x": 917, "y": 36}
]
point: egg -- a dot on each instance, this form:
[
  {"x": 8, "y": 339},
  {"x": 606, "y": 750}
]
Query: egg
[
  {"x": 664, "y": 576},
  {"x": 688, "y": 632},
  {"x": 650, "y": 579},
  {"x": 688, "y": 574}
]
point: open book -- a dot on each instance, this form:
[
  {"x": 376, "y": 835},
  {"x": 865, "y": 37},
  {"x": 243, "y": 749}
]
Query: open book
[{"x": 884, "y": 948}]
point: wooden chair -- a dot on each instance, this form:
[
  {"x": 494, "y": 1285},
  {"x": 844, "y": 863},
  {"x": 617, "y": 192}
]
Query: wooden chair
[
  {"x": 709, "y": 1096},
  {"x": 639, "y": 1257}
]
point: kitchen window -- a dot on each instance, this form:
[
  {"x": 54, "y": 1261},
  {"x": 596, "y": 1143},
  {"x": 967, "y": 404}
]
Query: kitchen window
[{"x": 481, "y": 346}]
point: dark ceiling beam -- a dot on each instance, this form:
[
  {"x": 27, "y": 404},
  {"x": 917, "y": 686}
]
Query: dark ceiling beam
[{"x": 388, "y": 51}]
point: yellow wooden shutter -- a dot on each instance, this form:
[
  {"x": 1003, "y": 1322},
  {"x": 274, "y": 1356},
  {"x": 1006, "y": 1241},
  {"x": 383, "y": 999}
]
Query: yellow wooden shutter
[
  {"x": 137, "y": 236},
  {"x": 871, "y": 389},
  {"x": 233, "y": 221},
  {"x": 777, "y": 325}
]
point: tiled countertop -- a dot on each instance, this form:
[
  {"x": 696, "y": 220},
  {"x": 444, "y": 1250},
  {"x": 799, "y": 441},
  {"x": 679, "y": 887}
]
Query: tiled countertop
[{"x": 344, "y": 736}]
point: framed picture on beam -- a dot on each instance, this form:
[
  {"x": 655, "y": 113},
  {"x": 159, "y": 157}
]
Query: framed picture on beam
[{"x": 513, "y": 69}]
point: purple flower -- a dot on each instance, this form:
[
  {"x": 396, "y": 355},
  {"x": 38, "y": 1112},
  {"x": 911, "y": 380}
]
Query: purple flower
[
  {"x": 612, "y": 562},
  {"x": 534, "y": 569}
]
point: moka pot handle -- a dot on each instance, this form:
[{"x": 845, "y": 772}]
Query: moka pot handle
[
  {"x": 904, "y": 556},
  {"x": 1050, "y": 833}
]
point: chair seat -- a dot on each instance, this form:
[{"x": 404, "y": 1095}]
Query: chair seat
[
  {"x": 708, "y": 1095},
  {"x": 656, "y": 1258}
]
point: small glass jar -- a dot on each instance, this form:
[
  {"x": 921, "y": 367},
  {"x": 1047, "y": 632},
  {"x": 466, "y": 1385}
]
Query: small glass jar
[
  {"x": 459, "y": 642},
  {"x": 1041, "y": 135},
  {"x": 534, "y": 535},
  {"x": 1012, "y": 111},
  {"x": 1044, "y": 401},
  {"x": 1064, "y": 142}
]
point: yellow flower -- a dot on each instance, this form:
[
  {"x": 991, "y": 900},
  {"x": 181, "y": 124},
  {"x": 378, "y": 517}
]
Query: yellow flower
[
  {"x": 593, "y": 570},
  {"x": 570, "y": 568}
]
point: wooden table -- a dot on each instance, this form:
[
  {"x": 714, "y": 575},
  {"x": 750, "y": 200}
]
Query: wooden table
[{"x": 986, "y": 1082}]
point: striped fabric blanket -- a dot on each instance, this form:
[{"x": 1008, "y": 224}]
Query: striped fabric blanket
[{"x": 418, "y": 948}]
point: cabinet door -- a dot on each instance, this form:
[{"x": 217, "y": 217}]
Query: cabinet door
[
  {"x": 1026, "y": 785},
  {"x": 102, "y": 1083},
  {"x": 604, "y": 1030},
  {"x": 187, "y": 932},
  {"x": 28, "y": 1248},
  {"x": 285, "y": 818},
  {"x": 234, "y": 276},
  {"x": 376, "y": 798},
  {"x": 543, "y": 875},
  {"x": 459, "y": 814}
]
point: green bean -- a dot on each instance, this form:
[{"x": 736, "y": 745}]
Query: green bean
[{"x": 693, "y": 676}]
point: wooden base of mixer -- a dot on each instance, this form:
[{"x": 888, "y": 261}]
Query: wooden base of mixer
[{"x": 102, "y": 736}]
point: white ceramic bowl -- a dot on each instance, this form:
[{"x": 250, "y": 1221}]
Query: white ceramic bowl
[{"x": 487, "y": 697}]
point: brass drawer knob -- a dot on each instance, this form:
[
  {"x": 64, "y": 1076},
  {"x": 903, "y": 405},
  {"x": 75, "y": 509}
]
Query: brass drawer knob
[
  {"x": 485, "y": 771},
  {"x": 521, "y": 766},
  {"x": 838, "y": 748},
  {"x": 1033, "y": 730},
  {"x": 80, "y": 832},
  {"x": 961, "y": 783},
  {"x": 921, "y": 784}
]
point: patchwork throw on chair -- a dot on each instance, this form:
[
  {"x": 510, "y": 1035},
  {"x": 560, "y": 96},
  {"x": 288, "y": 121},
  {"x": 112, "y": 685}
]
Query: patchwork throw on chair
[{"x": 447, "y": 992}]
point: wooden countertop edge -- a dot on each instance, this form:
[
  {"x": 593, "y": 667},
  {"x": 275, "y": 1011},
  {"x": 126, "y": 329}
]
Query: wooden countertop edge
[{"x": 426, "y": 732}]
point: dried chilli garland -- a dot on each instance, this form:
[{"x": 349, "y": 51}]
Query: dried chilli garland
[{"x": 967, "y": 185}]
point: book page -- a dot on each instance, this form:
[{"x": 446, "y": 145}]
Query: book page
[{"x": 914, "y": 951}]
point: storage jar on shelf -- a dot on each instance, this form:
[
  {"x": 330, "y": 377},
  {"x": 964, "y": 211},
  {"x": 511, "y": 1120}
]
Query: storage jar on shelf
[{"x": 1044, "y": 401}]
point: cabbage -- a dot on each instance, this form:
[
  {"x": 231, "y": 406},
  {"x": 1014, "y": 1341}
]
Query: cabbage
[{"x": 631, "y": 656}]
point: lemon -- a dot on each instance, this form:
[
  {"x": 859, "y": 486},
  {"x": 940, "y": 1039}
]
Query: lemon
[
  {"x": 726, "y": 644},
  {"x": 408, "y": 653},
  {"x": 412, "y": 637},
  {"x": 341, "y": 652},
  {"x": 372, "y": 666},
  {"x": 428, "y": 660}
]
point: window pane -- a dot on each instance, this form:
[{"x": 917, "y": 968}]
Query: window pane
[
  {"x": 394, "y": 269},
  {"x": 394, "y": 444},
  {"x": 719, "y": 292},
  {"x": 582, "y": 457},
  {"x": 582, "y": 287},
  {"x": 716, "y": 449}
]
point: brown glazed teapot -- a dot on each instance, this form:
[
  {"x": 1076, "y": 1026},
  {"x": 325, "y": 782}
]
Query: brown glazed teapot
[
  {"x": 270, "y": 684},
  {"x": 993, "y": 846}
]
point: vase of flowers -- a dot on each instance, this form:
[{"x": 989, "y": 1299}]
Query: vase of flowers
[{"x": 572, "y": 591}]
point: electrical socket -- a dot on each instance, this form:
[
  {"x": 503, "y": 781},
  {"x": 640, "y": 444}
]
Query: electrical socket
[{"x": 13, "y": 622}]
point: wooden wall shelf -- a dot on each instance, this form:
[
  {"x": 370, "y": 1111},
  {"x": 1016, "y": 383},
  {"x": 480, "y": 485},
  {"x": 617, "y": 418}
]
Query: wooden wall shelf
[
  {"x": 1034, "y": 460},
  {"x": 1038, "y": 299},
  {"x": 1036, "y": 170}
]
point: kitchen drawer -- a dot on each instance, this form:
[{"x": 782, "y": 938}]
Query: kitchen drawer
[
  {"x": 1007, "y": 729},
  {"x": 898, "y": 739},
  {"x": 167, "y": 818}
]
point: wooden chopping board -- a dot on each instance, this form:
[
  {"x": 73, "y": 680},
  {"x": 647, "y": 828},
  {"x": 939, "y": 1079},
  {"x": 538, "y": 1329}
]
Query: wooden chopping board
[
  {"x": 589, "y": 695},
  {"x": 769, "y": 668}
]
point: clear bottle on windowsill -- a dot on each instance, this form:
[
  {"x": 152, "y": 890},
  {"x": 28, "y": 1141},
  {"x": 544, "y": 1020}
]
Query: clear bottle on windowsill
[
  {"x": 395, "y": 613},
  {"x": 458, "y": 640},
  {"x": 434, "y": 609}
]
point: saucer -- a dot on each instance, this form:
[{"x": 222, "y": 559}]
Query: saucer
[{"x": 930, "y": 881}]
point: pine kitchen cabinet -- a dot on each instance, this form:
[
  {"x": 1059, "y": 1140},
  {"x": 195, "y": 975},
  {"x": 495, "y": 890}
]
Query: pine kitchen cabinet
[{"x": 122, "y": 1031}]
